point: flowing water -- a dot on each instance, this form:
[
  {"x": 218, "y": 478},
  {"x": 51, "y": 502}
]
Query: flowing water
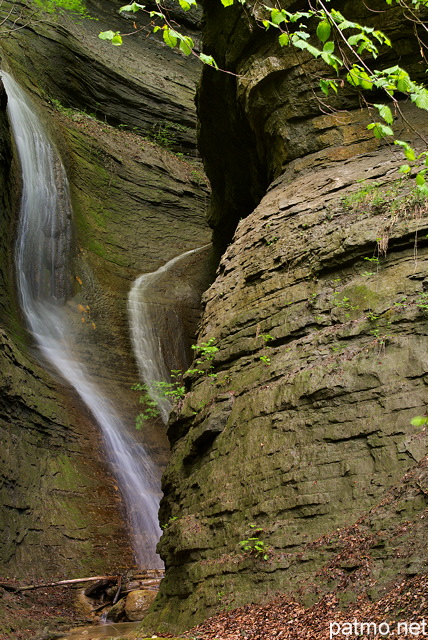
[
  {"x": 150, "y": 323},
  {"x": 114, "y": 630},
  {"x": 43, "y": 257}
]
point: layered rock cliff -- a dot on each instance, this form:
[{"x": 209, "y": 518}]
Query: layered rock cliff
[
  {"x": 301, "y": 421},
  {"x": 136, "y": 205}
]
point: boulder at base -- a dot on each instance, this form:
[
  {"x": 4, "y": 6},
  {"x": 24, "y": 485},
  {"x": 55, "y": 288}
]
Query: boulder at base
[{"x": 137, "y": 604}]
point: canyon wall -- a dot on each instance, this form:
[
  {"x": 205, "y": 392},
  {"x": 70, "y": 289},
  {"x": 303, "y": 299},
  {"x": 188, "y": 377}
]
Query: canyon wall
[
  {"x": 136, "y": 205},
  {"x": 301, "y": 422}
]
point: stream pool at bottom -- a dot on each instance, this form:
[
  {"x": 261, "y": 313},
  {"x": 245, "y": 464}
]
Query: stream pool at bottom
[
  {"x": 122, "y": 630},
  {"x": 110, "y": 630}
]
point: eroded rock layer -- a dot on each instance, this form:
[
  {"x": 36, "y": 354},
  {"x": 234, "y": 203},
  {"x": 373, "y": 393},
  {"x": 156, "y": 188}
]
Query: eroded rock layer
[
  {"x": 302, "y": 419},
  {"x": 136, "y": 205}
]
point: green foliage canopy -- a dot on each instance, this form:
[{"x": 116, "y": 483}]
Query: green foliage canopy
[{"x": 343, "y": 45}]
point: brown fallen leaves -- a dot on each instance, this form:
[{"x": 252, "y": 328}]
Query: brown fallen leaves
[{"x": 287, "y": 620}]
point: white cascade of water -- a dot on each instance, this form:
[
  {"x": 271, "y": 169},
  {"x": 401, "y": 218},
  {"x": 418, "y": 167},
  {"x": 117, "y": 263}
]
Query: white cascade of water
[
  {"x": 42, "y": 259},
  {"x": 147, "y": 329}
]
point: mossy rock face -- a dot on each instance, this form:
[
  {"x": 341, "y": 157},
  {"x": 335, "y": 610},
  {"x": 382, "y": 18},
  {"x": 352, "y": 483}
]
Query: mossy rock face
[
  {"x": 135, "y": 206},
  {"x": 319, "y": 316},
  {"x": 254, "y": 123},
  {"x": 143, "y": 85},
  {"x": 58, "y": 502},
  {"x": 307, "y": 419}
]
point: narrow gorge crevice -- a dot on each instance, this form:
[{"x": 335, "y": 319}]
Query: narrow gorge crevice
[{"x": 135, "y": 206}]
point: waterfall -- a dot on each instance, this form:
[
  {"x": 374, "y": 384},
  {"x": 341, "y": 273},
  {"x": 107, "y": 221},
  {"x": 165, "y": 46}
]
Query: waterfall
[
  {"x": 149, "y": 324},
  {"x": 42, "y": 258}
]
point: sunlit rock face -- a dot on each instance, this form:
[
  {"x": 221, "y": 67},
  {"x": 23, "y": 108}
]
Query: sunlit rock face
[
  {"x": 301, "y": 422},
  {"x": 136, "y": 205}
]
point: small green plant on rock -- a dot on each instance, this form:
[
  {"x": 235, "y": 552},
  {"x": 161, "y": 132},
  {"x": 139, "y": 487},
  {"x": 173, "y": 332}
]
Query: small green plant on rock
[
  {"x": 372, "y": 317},
  {"x": 170, "y": 521},
  {"x": 76, "y": 7},
  {"x": 150, "y": 411},
  {"x": 373, "y": 259},
  {"x": 205, "y": 352},
  {"x": 419, "y": 421},
  {"x": 422, "y": 300},
  {"x": 254, "y": 545},
  {"x": 206, "y": 349},
  {"x": 174, "y": 390}
]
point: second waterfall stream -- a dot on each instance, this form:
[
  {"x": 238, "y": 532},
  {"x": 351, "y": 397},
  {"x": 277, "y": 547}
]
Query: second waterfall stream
[{"x": 43, "y": 257}]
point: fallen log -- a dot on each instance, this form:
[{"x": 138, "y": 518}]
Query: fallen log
[
  {"x": 60, "y": 583},
  {"x": 149, "y": 574}
]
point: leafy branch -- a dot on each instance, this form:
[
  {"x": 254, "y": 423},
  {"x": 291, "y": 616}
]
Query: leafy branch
[
  {"x": 332, "y": 34},
  {"x": 156, "y": 390},
  {"x": 171, "y": 37},
  {"x": 341, "y": 44}
]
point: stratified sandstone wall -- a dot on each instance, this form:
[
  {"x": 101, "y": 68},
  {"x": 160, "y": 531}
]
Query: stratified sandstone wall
[
  {"x": 319, "y": 313},
  {"x": 136, "y": 205}
]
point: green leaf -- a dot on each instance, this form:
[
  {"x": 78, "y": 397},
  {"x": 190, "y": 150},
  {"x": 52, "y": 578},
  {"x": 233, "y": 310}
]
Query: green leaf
[
  {"x": 106, "y": 35},
  {"x": 305, "y": 46},
  {"x": 345, "y": 24},
  {"x": 420, "y": 179},
  {"x": 132, "y": 7},
  {"x": 186, "y": 4},
  {"x": 170, "y": 37},
  {"x": 365, "y": 81},
  {"x": 116, "y": 40},
  {"x": 382, "y": 38},
  {"x": 324, "y": 30},
  {"x": 357, "y": 77},
  {"x": 385, "y": 113},
  {"x": 405, "y": 168},
  {"x": 419, "y": 421},
  {"x": 284, "y": 39},
  {"x": 353, "y": 40},
  {"x": 328, "y": 47},
  {"x": 403, "y": 82},
  {"x": 331, "y": 60},
  {"x": 304, "y": 35},
  {"x": 380, "y": 130},
  {"x": 208, "y": 60},
  {"x": 408, "y": 151},
  {"x": 277, "y": 16},
  {"x": 392, "y": 70},
  {"x": 226, "y": 3},
  {"x": 420, "y": 98},
  {"x": 186, "y": 45},
  {"x": 325, "y": 86}
]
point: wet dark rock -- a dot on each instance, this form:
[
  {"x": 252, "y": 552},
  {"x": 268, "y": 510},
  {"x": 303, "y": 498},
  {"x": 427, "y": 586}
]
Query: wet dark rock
[{"x": 136, "y": 205}]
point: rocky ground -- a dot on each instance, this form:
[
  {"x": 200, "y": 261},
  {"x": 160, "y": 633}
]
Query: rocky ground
[
  {"x": 401, "y": 611},
  {"x": 46, "y": 613},
  {"x": 37, "y": 614},
  {"x": 348, "y": 597}
]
